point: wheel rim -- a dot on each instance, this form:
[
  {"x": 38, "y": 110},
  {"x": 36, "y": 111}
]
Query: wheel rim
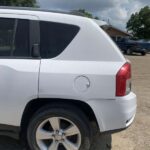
[{"x": 58, "y": 133}]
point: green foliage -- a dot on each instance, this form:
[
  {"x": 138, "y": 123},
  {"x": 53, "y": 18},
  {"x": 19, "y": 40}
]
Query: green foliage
[
  {"x": 97, "y": 18},
  {"x": 86, "y": 13},
  {"x": 139, "y": 23},
  {"x": 23, "y": 3}
]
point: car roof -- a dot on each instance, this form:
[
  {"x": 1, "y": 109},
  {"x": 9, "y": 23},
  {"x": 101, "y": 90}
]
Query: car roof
[
  {"x": 67, "y": 17},
  {"x": 42, "y": 10}
]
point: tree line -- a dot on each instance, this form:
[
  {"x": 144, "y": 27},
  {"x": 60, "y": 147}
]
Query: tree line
[
  {"x": 23, "y": 3},
  {"x": 138, "y": 24}
]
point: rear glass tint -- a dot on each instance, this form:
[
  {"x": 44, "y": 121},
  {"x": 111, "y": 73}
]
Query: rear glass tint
[{"x": 55, "y": 37}]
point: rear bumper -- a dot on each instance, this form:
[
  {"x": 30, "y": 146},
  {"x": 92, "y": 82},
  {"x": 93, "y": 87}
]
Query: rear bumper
[{"x": 115, "y": 114}]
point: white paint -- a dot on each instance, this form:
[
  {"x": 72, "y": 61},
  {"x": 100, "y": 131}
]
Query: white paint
[{"x": 91, "y": 54}]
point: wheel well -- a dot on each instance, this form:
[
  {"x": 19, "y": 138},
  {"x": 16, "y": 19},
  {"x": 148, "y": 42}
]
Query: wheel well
[{"x": 36, "y": 104}]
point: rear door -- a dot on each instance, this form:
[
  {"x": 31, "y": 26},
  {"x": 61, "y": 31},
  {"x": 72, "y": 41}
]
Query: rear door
[{"x": 19, "y": 71}]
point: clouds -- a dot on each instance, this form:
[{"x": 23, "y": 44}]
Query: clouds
[
  {"x": 116, "y": 11},
  {"x": 90, "y": 5},
  {"x": 144, "y": 1},
  {"x": 120, "y": 13}
]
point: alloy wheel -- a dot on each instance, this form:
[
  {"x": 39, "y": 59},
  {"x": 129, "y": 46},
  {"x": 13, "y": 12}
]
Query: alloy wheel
[{"x": 58, "y": 133}]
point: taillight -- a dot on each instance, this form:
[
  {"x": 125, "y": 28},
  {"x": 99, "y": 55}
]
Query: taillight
[{"x": 123, "y": 80}]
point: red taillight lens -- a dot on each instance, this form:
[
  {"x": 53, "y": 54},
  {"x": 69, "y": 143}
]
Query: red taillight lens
[{"x": 123, "y": 80}]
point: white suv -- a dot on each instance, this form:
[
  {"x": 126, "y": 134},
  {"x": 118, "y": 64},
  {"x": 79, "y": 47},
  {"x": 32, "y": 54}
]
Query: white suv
[{"x": 59, "y": 74}]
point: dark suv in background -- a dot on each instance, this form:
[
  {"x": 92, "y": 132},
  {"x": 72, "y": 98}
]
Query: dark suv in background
[{"x": 130, "y": 46}]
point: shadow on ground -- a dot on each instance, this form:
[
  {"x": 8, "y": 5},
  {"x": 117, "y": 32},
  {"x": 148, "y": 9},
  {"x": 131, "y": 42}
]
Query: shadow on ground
[
  {"x": 9, "y": 144},
  {"x": 100, "y": 143}
]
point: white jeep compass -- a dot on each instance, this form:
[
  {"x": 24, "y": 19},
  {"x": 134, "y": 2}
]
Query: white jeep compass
[{"x": 59, "y": 74}]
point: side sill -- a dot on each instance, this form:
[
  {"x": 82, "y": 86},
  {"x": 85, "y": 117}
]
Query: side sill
[{"x": 10, "y": 131}]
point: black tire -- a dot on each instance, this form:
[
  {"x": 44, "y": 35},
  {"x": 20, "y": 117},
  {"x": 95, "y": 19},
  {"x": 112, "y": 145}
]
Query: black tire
[
  {"x": 143, "y": 53},
  {"x": 72, "y": 113},
  {"x": 125, "y": 52}
]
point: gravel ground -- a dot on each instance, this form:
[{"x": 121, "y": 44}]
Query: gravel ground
[{"x": 137, "y": 137}]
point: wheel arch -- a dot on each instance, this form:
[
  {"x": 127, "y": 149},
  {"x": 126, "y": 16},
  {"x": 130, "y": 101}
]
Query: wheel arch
[{"x": 36, "y": 104}]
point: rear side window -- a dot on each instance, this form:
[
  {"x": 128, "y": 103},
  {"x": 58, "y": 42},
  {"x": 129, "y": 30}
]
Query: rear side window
[
  {"x": 6, "y": 36},
  {"x": 55, "y": 37},
  {"x": 14, "y": 38}
]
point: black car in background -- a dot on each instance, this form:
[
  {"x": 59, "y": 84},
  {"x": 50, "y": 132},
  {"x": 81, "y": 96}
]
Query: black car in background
[
  {"x": 130, "y": 46},
  {"x": 145, "y": 44}
]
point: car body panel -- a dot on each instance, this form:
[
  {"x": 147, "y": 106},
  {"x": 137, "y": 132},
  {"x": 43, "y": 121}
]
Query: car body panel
[
  {"x": 19, "y": 81},
  {"x": 85, "y": 71},
  {"x": 114, "y": 114},
  {"x": 57, "y": 79},
  {"x": 19, "y": 84}
]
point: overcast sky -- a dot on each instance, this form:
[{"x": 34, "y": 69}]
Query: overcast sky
[{"x": 116, "y": 11}]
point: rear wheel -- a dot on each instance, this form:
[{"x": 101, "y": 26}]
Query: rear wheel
[{"x": 59, "y": 129}]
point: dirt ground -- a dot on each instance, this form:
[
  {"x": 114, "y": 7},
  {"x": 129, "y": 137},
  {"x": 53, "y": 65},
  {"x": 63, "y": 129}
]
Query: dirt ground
[{"x": 137, "y": 137}]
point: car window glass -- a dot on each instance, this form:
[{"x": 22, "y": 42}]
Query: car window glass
[
  {"x": 55, "y": 37},
  {"x": 7, "y": 27},
  {"x": 14, "y": 38}
]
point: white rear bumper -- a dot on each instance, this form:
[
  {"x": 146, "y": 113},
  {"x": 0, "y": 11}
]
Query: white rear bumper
[{"x": 115, "y": 114}]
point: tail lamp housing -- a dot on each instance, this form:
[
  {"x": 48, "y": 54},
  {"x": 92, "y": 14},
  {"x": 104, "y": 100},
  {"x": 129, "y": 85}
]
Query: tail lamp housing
[{"x": 123, "y": 80}]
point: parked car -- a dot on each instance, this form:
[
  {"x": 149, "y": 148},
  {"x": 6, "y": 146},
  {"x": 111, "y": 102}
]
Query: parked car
[
  {"x": 145, "y": 44},
  {"x": 60, "y": 76},
  {"x": 130, "y": 46}
]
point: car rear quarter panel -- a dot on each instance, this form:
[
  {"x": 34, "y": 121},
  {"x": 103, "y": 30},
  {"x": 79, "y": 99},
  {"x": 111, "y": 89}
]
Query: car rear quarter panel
[
  {"x": 57, "y": 79},
  {"x": 91, "y": 54}
]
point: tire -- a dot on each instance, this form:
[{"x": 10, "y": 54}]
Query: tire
[
  {"x": 73, "y": 116},
  {"x": 125, "y": 52},
  {"x": 143, "y": 53}
]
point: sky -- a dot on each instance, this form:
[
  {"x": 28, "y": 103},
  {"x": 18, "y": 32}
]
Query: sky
[{"x": 117, "y": 12}]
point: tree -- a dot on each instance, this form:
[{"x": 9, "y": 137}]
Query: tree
[
  {"x": 139, "y": 24},
  {"x": 85, "y": 13},
  {"x": 97, "y": 18},
  {"x": 24, "y": 3}
]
